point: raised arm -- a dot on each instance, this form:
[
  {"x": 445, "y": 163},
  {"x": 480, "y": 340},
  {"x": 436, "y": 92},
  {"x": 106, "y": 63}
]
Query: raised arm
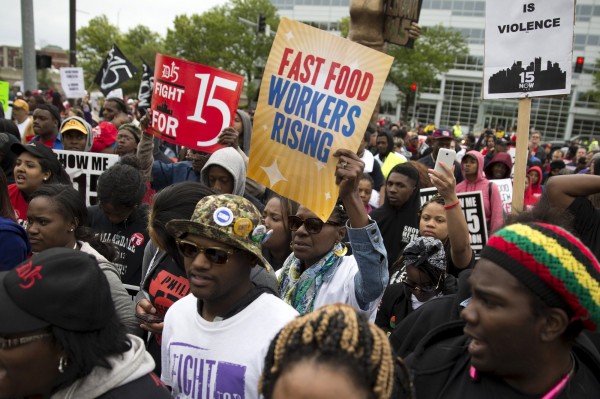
[
  {"x": 561, "y": 191},
  {"x": 365, "y": 237},
  {"x": 458, "y": 231}
]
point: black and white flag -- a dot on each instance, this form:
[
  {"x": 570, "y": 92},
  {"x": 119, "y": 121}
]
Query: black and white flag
[
  {"x": 115, "y": 70},
  {"x": 145, "y": 93}
]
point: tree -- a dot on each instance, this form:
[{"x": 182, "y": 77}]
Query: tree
[
  {"x": 219, "y": 39},
  {"x": 95, "y": 41},
  {"x": 344, "y": 26},
  {"x": 433, "y": 54}
]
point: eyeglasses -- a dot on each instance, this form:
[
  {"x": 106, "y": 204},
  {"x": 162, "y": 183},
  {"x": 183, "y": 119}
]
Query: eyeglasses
[
  {"x": 428, "y": 289},
  {"x": 9, "y": 343},
  {"x": 312, "y": 225},
  {"x": 215, "y": 255}
]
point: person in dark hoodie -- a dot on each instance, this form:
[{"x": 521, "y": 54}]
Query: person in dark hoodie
[
  {"x": 121, "y": 218},
  {"x": 500, "y": 166},
  {"x": 423, "y": 278},
  {"x": 534, "y": 290},
  {"x": 398, "y": 217}
]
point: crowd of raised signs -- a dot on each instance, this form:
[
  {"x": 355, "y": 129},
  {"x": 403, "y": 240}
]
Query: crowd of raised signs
[{"x": 181, "y": 277}]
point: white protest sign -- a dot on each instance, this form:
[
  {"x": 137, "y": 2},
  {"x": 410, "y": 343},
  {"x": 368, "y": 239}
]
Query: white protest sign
[
  {"x": 71, "y": 80},
  {"x": 472, "y": 207},
  {"x": 85, "y": 168},
  {"x": 528, "y": 48},
  {"x": 505, "y": 186},
  {"x": 118, "y": 93}
]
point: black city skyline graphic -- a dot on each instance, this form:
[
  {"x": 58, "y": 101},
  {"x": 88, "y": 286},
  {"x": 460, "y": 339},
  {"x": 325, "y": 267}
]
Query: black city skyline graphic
[
  {"x": 164, "y": 108},
  {"x": 518, "y": 79}
]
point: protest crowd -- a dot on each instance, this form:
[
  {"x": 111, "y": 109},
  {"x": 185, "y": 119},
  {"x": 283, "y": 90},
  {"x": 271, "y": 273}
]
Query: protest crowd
[{"x": 183, "y": 277}]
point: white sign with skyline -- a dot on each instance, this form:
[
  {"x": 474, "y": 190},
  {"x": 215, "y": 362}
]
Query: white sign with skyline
[{"x": 528, "y": 48}]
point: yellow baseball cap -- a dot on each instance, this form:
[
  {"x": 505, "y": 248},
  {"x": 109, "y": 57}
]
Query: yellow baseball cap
[
  {"x": 73, "y": 124},
  {"x": 21, "y": 104}
]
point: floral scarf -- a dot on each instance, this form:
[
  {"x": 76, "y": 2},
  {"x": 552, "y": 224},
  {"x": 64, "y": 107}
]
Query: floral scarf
[{"x": 299, "y": 289}]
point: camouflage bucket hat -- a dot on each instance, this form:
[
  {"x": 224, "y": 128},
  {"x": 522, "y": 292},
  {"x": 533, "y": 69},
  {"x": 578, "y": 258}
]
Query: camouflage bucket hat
[{"x": 227, "y": 218}]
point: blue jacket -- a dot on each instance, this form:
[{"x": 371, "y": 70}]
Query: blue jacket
[
  {"x": 165, "y": 174},
  {"x": 14, "y": 244}
]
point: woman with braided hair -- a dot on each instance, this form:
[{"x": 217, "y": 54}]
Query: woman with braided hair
[{"x": 340, "y": 352}]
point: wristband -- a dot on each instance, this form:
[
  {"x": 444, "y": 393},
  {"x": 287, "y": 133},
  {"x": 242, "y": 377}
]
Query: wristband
[{"x": 446, "y": 207}]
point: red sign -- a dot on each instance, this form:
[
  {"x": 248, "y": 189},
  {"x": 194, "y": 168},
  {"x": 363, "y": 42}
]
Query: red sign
[{"x": 192, "y": 103}]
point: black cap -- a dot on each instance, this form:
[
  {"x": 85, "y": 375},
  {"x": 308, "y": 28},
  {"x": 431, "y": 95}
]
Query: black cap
[
  {"x": 41, "y": 151},
  {"x": 53, "y": 111},
  {"x": 58, "y": 287}
]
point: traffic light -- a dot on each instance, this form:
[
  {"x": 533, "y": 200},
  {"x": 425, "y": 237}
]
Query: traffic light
[
  {"x": 262, "y": 23},
  {"x": 43, "y": 61},
  {"x": 579, "y": 64},
  {"x": 413, "y": 87}
]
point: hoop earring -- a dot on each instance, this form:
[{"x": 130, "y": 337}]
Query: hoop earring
[
  {"x": 292, "y": 245},
  {"x": 340, "y": 249},
  {"x": 62, "y": 364}
]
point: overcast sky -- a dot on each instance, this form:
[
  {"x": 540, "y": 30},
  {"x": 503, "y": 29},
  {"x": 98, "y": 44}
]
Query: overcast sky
[{"x": 52, "y": 17}]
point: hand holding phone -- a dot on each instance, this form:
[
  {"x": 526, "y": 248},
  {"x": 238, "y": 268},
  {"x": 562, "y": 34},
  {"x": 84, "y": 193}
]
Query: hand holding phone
[
  {"x": 447, "y": 157},
  {"x": 149, "y": 318}
]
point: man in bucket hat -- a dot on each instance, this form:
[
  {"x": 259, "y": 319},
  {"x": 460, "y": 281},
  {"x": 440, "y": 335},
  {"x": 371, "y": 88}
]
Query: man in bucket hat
[
  {"x": 215, "y": 339},
  {"x": 534, "y": 291}
]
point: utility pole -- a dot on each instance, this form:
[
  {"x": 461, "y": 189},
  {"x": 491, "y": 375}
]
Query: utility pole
[
  {"x": 28, "y": 36},
  {"x": 72, "y": 34}
]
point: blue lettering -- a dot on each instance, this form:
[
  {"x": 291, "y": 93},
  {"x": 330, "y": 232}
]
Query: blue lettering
[
  {"x": 277, "y": 125},
  {"x": 326, "y": 111},
  {"x": 313, "y": 111},
  {"x": 276, "y": 91},
  {"x": 338, "y": 113},
  {"x": 305, "y": 97},
  {"x": 292, "y": 98},
  {"x": 348, "y": 130}
]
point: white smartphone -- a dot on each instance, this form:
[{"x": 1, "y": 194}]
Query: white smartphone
[{"x": 447, "y": 157}]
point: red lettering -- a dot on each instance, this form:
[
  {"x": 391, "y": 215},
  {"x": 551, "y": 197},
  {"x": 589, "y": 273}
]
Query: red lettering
[
  {"x": 308, "y": 62},
  {"x": 295, "y": 69},
  {"x": 284, "y": 60},
  {"x": 365, "y": 87},
  {"x": 331, "y": 76},
  {"x": 319, "y": 62}
]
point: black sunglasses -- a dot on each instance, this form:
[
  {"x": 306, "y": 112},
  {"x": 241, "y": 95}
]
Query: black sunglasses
[
  {"x": 428, "y": 289},
  {"x": 215, "y": 255},
  {"x": 312, "y": 225}
]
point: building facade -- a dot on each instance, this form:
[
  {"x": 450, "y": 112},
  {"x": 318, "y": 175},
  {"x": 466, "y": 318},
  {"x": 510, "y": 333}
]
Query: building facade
[{"x": 458, "y": 95}]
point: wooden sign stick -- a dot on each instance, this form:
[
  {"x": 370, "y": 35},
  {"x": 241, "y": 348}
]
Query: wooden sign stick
[{"x": 523, "y": 119}]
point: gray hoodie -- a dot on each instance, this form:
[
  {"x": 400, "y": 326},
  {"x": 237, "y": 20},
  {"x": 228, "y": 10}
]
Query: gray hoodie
[
  {"x": 90, "y": 134},
  {"x": 126, "y": 367},
  {"x": 122, "y": 300},
  {"x": 229, "y": 159}
]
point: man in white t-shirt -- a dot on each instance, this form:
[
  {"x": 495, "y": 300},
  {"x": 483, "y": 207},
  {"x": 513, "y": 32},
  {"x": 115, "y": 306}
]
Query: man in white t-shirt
[{"x": 215, "y": 340}]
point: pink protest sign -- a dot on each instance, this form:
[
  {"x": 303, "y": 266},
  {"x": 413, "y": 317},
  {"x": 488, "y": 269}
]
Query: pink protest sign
[{"x": 192, "y": 103}]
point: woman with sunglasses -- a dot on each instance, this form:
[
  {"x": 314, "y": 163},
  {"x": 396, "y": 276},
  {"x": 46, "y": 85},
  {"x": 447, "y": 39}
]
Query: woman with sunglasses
[
  {"x": 317, "y": 273},
  {"x": 423, "y": 277}
]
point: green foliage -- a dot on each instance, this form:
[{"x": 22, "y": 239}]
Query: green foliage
[
  {"x": 433, "y": 54},
  {"x": 219, "y": 39},
  {"x": 95, "y": 41},
  {"x": 344, "y": 26}
]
